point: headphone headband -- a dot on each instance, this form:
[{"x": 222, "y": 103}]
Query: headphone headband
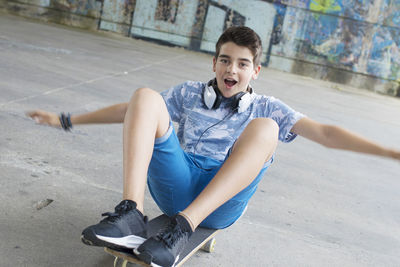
[
  {"x": 212, "y": 97},
  {"x": 213, "y": 83}
]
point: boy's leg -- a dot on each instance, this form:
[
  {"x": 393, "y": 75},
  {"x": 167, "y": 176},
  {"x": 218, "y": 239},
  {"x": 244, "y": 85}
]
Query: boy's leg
[
  {"x": 146, "y": 118},
  {"x": 255, "y": 146}
]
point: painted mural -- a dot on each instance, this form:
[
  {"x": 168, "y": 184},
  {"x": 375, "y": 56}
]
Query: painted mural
[
  {"x": 360, "y": 36},
  {"x": 80, "y": 7}
]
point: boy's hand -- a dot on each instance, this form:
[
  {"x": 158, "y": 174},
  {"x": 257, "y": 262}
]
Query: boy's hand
[{"x": 44, "y": 117}]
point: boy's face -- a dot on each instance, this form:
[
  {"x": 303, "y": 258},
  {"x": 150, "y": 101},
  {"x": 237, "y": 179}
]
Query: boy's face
[{"x": 234, "y": 68}]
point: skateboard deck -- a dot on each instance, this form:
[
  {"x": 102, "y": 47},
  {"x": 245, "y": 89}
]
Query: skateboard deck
[{"x": 202, "y": 238}]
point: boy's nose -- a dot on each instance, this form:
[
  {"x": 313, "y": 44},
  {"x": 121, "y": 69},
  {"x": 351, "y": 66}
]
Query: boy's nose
[{"x": 231, "y": 68}]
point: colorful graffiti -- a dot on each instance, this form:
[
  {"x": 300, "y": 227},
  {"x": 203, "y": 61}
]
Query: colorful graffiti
[
  {"x": 81, "y": 7},
  {"x": 360, "y": 36},
  {"x": 384, "y": 60},
  {"x": 329, "y": 39},
  {"x": 345, "y": 38},
  {"x": 325, "y": 6}
]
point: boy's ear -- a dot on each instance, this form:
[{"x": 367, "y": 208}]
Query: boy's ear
[
  {"x": 214, "y": 64},
  {"x": 256, "y": 72}
]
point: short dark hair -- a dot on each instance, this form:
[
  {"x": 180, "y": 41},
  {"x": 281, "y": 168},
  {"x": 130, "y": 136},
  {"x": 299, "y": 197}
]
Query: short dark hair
[{"x": 242, "y": 36}]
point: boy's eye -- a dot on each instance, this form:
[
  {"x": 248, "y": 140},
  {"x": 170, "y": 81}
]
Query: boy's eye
[
  {"x": 223, "y": 60},
  {"x": 243, "y": 65}
]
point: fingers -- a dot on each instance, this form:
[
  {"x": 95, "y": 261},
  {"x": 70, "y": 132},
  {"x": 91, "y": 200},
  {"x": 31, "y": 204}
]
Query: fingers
[
  {"x": 44, "y": 117},
  {"x": 31, "y": 114},
  {"x": 37, "y": 115},
  {"x": 35, "y": 112}
]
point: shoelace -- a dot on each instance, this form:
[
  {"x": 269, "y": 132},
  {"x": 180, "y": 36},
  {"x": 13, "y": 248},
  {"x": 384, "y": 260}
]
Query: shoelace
[
  {"x": 113, "y": 216},
  {"x": 170, "y": 234}
]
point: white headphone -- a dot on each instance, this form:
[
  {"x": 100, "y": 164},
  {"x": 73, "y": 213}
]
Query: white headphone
[{"x": 212, "y": 97}]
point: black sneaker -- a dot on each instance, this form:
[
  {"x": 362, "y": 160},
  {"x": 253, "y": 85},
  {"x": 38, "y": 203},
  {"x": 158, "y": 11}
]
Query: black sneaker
[
  {"x": 124, "y": 228},
  {"x": 164, "y": 248}
]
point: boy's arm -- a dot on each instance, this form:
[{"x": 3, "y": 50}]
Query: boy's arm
[
  {"x": 110, "y": 114},
  {"x": 336, "y": 137}
]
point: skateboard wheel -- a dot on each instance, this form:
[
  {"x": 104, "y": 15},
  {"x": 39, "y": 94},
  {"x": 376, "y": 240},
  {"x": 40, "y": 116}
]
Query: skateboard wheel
[
  {"x": 209, "y": 246},
  {"x": 126, "y": 264},
  {"x": 118, "y": 262}
]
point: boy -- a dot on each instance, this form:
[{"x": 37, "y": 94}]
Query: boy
[{"x": 207, "y": 172}]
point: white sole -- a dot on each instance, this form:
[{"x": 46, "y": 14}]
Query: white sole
[
  {"x": 130, "y": 241},
  {"x": 152, "y": 264},
  {"x": 156, "y": 265}
]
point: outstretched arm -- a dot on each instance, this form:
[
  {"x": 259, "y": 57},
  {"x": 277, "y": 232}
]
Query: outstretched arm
[
  {"x": 110, "y": 114},
  {"x": 336, "y": 137}
]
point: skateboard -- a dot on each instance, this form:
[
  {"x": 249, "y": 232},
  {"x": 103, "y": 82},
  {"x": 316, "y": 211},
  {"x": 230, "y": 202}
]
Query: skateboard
[{"x": 202, "y": 238}]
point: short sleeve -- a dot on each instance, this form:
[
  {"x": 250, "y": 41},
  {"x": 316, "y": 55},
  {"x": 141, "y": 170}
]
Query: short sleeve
[
  {"x": 173, "y": 98},
  {"x": 285, "y": 117}
]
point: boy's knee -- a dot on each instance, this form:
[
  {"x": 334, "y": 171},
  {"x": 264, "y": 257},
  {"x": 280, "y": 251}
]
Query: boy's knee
[
  {"x": 265, "y": 132},
  {"x": 264, "y": 126},
  {"x": 143, "y": 94}
]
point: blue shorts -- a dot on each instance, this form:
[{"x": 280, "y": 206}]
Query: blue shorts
[{"x": 175, "y": 181}]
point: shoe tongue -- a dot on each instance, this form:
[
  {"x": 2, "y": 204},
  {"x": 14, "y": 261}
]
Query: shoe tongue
[
  {"x": 184, "y": 224},
  {"x": 125, "y": 205},
  {"x": 177, "y": 229}
]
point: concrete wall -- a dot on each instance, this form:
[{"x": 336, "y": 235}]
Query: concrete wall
[{"x": 351, "y": 42}]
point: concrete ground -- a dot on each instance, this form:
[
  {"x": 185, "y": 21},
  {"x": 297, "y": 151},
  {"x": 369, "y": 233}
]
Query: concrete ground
[{"x": 314, "y": 207}]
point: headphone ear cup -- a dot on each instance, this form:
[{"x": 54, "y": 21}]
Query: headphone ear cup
[
  {"x": 236, "y": 100},
  {"x": 244, "y": 102},
  {"x": 209, "y": 96},
  {"x": 218, "y": 100}
]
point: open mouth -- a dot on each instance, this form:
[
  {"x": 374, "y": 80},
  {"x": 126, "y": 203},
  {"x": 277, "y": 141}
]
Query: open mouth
[{"x": 230, "y": 82}]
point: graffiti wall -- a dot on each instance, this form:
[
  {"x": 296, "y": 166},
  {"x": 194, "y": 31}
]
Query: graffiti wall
[
  {"x": 195, "y": 24},
  {"x": 361, "y": 37}
]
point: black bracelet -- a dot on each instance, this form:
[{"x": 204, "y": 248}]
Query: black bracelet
[
  {"x": 69, "y": 123},
  {"x": 65, "y": 121},
  {"x": 62, "y": 120}
]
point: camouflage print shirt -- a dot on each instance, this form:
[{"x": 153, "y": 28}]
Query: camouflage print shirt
[{"x": 219, "y": 128}]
